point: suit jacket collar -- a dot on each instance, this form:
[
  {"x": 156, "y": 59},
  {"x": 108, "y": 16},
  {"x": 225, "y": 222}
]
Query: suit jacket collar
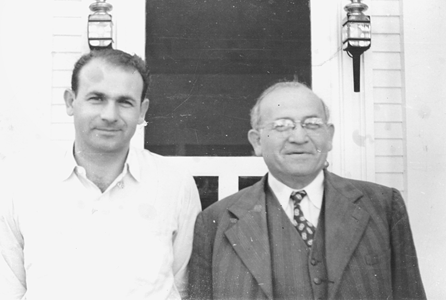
[
  {"x": 345, "y": 223},
  {"x": 249, "y": 235}
]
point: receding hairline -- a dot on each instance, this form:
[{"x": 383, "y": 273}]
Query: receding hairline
[
  {"x": 255, "y": 111},
  {"x": 112, "y": 57},
  {"x": 111, "y": 64},
  {"x": 105, "y": 63}
]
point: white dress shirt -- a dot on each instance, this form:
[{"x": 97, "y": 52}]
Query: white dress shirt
[
  {"x": 310, "y": 205},
  {"x": 62, "y": 238}
]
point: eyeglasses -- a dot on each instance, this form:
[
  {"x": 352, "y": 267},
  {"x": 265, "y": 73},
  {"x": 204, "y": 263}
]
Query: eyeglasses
[{"x": 287, "y": 125}]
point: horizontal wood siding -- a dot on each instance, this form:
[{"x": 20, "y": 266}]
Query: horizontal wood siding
[
  {"x": 69, "y": 18},
  {"x": 388, "y": 93}
]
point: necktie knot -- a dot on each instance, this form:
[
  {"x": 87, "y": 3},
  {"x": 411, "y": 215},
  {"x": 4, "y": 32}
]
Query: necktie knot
[{"x": 298, "y": 196}]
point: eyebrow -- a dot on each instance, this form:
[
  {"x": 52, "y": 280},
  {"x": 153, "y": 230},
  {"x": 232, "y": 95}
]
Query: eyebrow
[
  {"x": 119, "y": 98},
  {"x": 304, "y": 118},
  {"x": 128, "y": 98},
  {"x": 102, "y": 95}
]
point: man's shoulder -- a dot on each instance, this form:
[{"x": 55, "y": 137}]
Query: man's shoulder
[
  {"x": 37, "y": 171},
  {"x": 248, "y": 193},
  {"x": 150, "y": 163},
  {"x": 361, "y": 185},
  {"x": 372, "y": 194}
]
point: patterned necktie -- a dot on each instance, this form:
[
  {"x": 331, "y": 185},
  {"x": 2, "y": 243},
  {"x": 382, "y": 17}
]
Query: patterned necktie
[{"x": 304, "y": 227}]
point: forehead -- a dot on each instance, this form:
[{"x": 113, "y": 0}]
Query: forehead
[
  {"x": 99, "y": 72},
  {"x": 291, "y": 102},
  {"x": 96, "y": 68}
]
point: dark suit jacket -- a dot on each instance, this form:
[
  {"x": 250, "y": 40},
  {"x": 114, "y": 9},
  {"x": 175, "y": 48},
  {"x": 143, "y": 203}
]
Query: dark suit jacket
[{"x": 369, "y": 247}]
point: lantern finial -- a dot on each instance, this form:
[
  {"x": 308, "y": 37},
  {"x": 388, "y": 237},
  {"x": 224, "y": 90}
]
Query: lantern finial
[
  {"x": 356, "y": 35},
  {"x": 100, "y": 26}
]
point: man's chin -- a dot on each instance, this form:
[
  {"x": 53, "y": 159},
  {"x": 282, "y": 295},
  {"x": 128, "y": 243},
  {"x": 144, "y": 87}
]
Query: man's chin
[{"x": 109, "y": 146}]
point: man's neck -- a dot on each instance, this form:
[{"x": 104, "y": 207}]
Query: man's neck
[
  {"x": 298, "y": 182},
  {"x": 101, "y": 168}
]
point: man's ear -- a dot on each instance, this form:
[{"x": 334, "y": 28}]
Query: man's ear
[
  {"x": 69, "y": 99},
  {"x": 142, "y": 113},
  {"x": 254, "y": 139}
]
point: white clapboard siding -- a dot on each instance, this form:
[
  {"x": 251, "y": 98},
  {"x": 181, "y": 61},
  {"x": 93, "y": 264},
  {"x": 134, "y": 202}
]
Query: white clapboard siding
[
  {"x": 67, "y": 43},
  {"x": 57, "y": 95},
  {"x": 59, "y": 115},
  {"x": 62, "y": 132},
  {"x": 389, "y": 164},
  {"x": 68, "y": 28},
  {"x": 61, "y": 78},
  {"x": 396, "y": 179},
  {"x": 389, "y": 147},
  {"x": 388, "y": 112},
  {"x": 388, "y": 131},
  {"x": 67, "y": 25},
  {"x": 388, "y": 93},
  {"x": 64, "y": 61}
]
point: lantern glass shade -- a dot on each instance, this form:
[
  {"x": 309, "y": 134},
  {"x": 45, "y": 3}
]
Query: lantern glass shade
[
  {"x": 357, "y": 34},
  {"x": 100, "y": 30}
]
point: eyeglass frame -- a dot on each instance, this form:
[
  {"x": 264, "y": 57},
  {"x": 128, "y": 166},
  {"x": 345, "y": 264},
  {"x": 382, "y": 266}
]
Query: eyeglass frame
[{"x": 303, "y": 123}]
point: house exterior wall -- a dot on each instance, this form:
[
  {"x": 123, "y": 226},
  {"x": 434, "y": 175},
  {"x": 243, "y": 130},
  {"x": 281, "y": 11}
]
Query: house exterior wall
[
  {"x": 25, "y": 76},
  {"x": 388, "y": 94},
  {"x": 424, "y": 26},
  {"x": 390, "y": 133}
]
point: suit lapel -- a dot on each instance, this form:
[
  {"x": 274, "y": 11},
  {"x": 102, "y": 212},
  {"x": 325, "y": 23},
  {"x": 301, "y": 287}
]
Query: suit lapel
[
  {"x": 249, "y": 235},
  {"x": 346, "y": 222}
]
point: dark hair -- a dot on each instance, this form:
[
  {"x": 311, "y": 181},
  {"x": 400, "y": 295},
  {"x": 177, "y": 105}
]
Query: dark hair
[{"x": 116, "y": 58}]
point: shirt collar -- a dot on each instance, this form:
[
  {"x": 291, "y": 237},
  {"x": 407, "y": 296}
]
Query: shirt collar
[
  {"x": 69, "y": 164},
  {"x": 315, "y": 190},
  {"x": 133, "y": 165}
]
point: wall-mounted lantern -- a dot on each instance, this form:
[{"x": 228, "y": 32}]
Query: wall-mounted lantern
[
  {"x": 356, "y": 35},
  {"x": 100, "y": 26}
]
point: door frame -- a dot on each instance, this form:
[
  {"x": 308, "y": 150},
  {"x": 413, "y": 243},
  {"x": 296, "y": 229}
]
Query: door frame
[{"x": 351, "y": 113}]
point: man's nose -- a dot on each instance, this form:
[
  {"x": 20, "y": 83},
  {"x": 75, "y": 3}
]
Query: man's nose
[
  {"x": 298, "y": 134},
  {"x": 109, "y": 112}
]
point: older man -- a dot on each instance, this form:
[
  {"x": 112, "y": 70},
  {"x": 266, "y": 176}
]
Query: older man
[
  {"x": 303, "y": 232},
  {"x": 102, "y": 220}
]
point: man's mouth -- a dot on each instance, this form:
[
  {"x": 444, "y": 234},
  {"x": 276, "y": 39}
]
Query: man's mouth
[
  {"x": 297, "y": 152},
  {"x": 107, "y": 129}
]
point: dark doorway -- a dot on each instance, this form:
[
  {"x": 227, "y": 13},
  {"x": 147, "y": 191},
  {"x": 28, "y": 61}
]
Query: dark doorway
[{"x": 210, "y": 60}]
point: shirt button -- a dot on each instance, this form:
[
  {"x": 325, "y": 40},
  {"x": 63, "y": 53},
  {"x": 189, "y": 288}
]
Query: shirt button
[
  {"x": 313, "y": 262},
  {"x": 317, "y": 280},
  {"x": 120, "y": 184}
]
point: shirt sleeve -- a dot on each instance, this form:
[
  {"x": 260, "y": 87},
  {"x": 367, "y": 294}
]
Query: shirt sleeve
[
  {"x": 182, "y": 241},
  {"x": 12, "y": 270}
]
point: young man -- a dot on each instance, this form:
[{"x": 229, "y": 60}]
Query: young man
[
  {"x": 103, "y": 220},
  {"x": 303, "y": 232}
]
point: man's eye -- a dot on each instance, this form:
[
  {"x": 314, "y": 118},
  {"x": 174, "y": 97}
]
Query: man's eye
[
  {"x": 95, "y": 99},
  {"x": 279, "y": 126},
  {"x": 312, "y": 126},
  {"x": 126, "y": 103},
  {"x": 313, "y": 123},
  {"x": 282, "y": 126}
]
